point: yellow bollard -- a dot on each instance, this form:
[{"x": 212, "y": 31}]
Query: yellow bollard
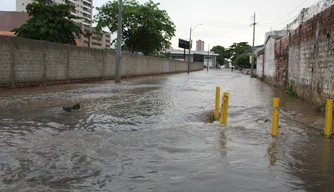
[
  {"x": 275, "y": 117},
  {"x": 216, "y": 112},
  {"x": 223, "y": 119},
  {"x": 329, "y": 118}
]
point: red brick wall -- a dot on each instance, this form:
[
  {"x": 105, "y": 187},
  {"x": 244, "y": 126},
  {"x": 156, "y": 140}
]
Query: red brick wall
[{"x": 282, "y": 61}]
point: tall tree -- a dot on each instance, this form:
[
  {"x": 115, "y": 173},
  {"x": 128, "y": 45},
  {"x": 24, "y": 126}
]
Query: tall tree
[
  {"x": 222, "y": 52},
  {"x": 146, "y": 28},
  {"x": 237, "y": 49},
  {"x": 50, "y": 23},
  {"x": 243, "y": 60}
]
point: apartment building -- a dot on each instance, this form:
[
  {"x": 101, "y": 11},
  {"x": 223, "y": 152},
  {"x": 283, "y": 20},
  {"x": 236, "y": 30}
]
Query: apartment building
[
  {"x": 199, "y": 45},
  {"x": 84, "y": 9}
]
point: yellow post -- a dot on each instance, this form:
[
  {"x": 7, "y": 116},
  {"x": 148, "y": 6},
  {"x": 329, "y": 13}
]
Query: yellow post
[
  {"x": 223, "y": 119},
  {"x": 275, "y": 117},
  {"x": 216, "y": 112},
  {"x": 329, "y": 118}
]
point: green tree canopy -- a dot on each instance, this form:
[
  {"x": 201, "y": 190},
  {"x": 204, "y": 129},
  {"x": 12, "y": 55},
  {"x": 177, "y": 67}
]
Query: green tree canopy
[
  {"x": 243, "y": 60},
  {"x": 223, "y": 54},
  {"x": 146, "y": 28},
  {"x": 50, "y": 23},
  {"x": 237, "y": 49}
]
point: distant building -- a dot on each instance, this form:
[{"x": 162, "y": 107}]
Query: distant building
[
  {"x": 83, "y": 8},
  {"x": 199, "y": 45},
  {"x": 208, "y": 59},
  {"x": 96, "y": 41},
  {"x": 11, "y": 19}
]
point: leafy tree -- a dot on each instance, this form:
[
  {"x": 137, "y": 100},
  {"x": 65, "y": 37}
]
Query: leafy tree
[
  {"x": 50, "y": 23},
  {"x": 223, "y": 54},
  {"x": 243, "y": 60},
  {"x": 237, "y": 49},
  {"x": 146, "y": 28}
]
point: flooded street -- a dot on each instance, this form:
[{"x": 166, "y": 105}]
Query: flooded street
[{"x": 156, "y": 134}]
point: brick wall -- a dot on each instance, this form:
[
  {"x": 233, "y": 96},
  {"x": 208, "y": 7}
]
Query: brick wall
[
  {"x": 311, "y": 58},
  {"x": 24, "y": 62},
  {"x": 282, "y": 61}
]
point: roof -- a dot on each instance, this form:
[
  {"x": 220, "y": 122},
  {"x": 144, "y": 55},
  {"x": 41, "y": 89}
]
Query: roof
[
  {"x": 275, "y": 37},
  {"x": 181, "y": 52}
]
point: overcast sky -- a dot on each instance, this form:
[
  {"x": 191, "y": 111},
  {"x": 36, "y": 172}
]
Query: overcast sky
[{"x": 224, "y": 21}]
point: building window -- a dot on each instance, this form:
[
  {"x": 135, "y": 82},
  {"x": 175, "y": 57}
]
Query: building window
[
  {"x": 97, "y": 44},
  {"x": 108, "y": 36},
  {"x": 108, "y": 46},
  {"x": 108, "y": 41},
  {"x": 22, "y": 3}
]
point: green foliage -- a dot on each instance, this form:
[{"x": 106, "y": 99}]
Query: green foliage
[
  {"x": 146, "y": 28},
  {"x": 237, "y": 49},
  {"x": 166, "y": 55},
  {"x": 253, "y": 75},
  {"x": 243, "y": 60},
  {"x": 50, "y": 23},
  {"x": 320, "y": 133},
  {"x": 223, "y": 54},
  {"x": 289, "y": 91}
]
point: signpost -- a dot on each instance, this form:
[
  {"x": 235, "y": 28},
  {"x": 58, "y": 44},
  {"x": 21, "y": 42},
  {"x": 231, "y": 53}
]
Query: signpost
[{"x": 185, "y": 45}]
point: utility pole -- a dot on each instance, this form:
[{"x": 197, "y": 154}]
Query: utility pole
[
  {"x": 253, "y": 57},
  {"x": 190, "y": 45},
  {"x": 207, "y": 65},
  {"x": 119, "y": 43}
]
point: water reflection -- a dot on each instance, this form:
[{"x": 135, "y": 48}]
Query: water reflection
[
  {"x": 272, "y": 153},
  {"x": 326, "y": 156}
]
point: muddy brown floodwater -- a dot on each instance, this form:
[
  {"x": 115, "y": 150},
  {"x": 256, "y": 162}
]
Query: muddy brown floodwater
[{"x": 155, "y": 134}]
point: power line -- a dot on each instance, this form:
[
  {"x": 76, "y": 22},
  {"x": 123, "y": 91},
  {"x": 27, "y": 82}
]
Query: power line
[{"x": 288, "y": 13}]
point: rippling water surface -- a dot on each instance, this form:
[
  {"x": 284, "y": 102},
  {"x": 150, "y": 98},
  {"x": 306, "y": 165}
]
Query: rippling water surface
[{"x": 157, "y": 134}]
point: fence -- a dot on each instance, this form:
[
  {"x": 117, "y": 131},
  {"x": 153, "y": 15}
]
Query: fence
[{"x": 25, "y": 62}]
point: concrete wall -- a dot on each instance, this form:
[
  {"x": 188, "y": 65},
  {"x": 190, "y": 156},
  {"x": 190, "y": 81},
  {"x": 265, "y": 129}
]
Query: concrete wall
[
  {"x": 259, "y": 65},
  {"x": 311, "y": 58},
  {"x": 269, "y": 60},
  {"x": 305, "y": 58},
  {"x": 25, "y": 61}
]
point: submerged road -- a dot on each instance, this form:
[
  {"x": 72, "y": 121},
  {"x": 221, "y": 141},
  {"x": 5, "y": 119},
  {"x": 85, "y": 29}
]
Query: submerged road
[{"x": 156, "y": 134}]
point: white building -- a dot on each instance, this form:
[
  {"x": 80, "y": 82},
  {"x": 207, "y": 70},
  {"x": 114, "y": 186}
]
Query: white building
[
  {"x": 207, "y": 58},
  {"x": 83, "y": 8}
]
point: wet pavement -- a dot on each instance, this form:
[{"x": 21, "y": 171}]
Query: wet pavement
[{"x": 156, "y": 134}]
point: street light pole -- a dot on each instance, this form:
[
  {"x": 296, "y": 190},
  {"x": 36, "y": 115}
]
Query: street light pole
[
  {"x": 207, "y": 65},
  {"x": 119, "y": 43},
  {"x": 190, "y": 45},
  {"x": 253, "y": 56}
]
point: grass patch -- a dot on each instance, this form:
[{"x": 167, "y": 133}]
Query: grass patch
[
  {"x": 289, "y": 91},
  {"x": 320, "y": 133},
  {"x": 253, "y": 76}
]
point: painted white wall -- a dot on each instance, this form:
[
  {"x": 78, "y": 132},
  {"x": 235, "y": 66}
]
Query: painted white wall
[
  {"x": 259, "y": 66},
  {"x": 269, "y": 58}
]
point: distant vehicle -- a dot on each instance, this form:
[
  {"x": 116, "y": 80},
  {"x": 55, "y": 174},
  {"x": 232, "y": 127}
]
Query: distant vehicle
[{"x": 135, "y": 53}]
